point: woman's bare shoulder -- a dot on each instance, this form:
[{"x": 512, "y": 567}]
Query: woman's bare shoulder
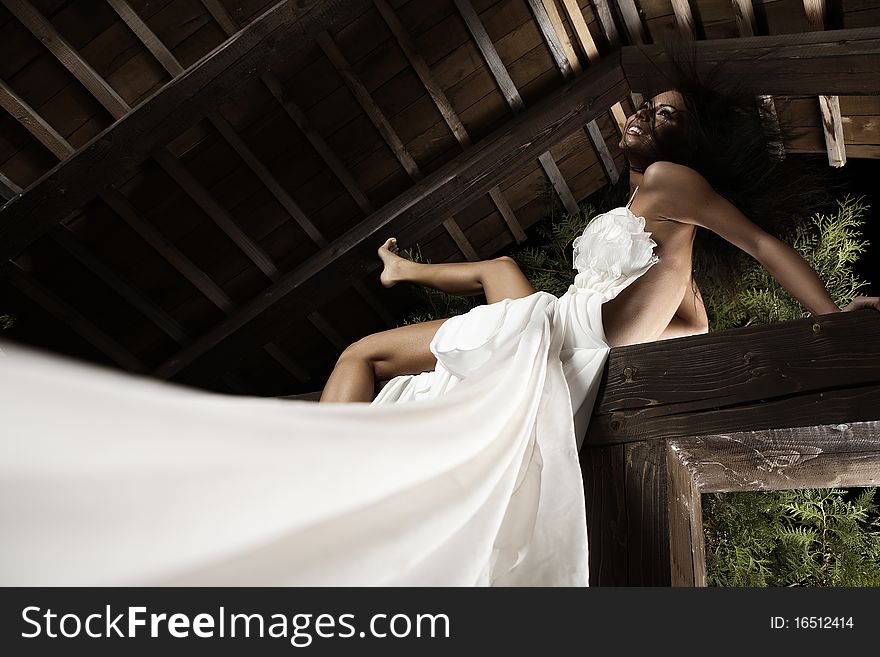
[{"x": 665, "y": 173}]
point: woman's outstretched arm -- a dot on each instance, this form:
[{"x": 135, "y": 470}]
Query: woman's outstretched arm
[{"x": 692, "y": 200}]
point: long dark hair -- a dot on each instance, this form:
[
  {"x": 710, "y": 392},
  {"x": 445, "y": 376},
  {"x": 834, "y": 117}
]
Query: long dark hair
[{"x": 729, "y": 138}]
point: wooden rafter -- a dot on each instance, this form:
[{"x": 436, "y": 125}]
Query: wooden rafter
[
  {"x": 71, "y": 317},
  {"x": 62, "y": 149},
  {"x": 841, "y": 62},
  {"x": 416, "y": 212},
  {"x": 552, "y": 31},
  {"x": 389, "y": 135},
  {"x": 829, "y": 106},
  {"x": 512, "y": 96},
  {"x": 115, "y": 155},
  {"x": 745, "y": 21},
  {"x": 445, "y": 107},
  {"x": 609, "y": 29},
  {"x": 588, "y": 46},
  {"x": 684, "y": 19},
  {"x": 632, "y": 21},
  {"x": 8, "y": 189},
  {"x": 226, "y": 22}
]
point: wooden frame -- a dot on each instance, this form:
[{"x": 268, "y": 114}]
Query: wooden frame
[
  {"x": 825, "y": 456},
  {"x": 669, "y": 412}
]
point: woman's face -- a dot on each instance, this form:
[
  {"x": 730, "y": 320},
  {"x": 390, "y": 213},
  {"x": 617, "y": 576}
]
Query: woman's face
[{"x": 660, "y": 121}]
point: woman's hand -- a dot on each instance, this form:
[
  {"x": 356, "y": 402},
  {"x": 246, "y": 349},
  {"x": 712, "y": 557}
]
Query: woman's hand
[{"x": 858, "y": 303}]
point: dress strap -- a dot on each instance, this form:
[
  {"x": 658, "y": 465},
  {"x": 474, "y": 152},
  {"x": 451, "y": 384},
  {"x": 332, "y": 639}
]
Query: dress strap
[{"x": 632, "y": 198}]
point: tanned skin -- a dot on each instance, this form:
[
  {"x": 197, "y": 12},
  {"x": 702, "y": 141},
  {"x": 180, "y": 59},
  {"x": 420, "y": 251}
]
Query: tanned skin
[{"x": 663, "y": 303}]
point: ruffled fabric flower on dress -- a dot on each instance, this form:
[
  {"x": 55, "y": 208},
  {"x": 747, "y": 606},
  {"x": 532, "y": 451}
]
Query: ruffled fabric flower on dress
[{"x": 613, "y": 251}]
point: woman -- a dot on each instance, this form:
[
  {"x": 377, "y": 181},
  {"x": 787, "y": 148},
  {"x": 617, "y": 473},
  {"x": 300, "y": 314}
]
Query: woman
[
  {"x": 674, "y": 200},
  {"x": 135, "y": 482}
]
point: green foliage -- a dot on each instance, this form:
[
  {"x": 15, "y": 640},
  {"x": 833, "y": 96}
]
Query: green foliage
[
  {"x": 831, "y": 244},
  {"x": 6, "y": 322},
  {"x": 822, "y": 537}
]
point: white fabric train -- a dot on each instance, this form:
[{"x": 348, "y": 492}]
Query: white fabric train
[{"x": 467, "y": 475}]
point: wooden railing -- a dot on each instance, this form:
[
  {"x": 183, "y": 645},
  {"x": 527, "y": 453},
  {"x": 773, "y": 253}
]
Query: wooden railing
[{"x": 786, "y": 405}]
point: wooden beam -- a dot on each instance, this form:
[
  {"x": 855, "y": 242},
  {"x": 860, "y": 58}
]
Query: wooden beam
[
  {"x": 632, "y": 21},
  {"x": 71, "y": 317},
  {"x": 68, "y": 57},
  {"x": 147, "y": 37},
  {"x": 114, "y": 155},
  {"x": 416, "y": 212},
  {"x": 564, "y": 39},
  {"x": 745, "y": 17},
  {"x": 33, "y": 122},
  {"x": 609, "y": 28},
  {"x": 840, "y": 62},
  {"x": 581, "y": 30},
  {"x": 389, "y": 135},
  {"x": 825, "y": 368},
  {"x": 684, "y": 19},
  {"x": 69, "y": 242},
  {"x": 8, "y": 189},
  {"x": 512, "y": 96},
  {"x": 840, "y": 455},
  {"x": 444, "y": 107},
  {"x": 552, "y": 38},
  {"x": 829, "y": 106},
  {"x": 687, "y": 546},
  {"x": 551, "y": 35}
]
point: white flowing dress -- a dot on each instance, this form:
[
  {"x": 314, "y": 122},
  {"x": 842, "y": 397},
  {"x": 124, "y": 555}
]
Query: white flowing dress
[{"x": 466, "y": 475}]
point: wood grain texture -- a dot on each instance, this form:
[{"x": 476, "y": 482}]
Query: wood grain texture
[
  {"x": 114, "y": 156},
  {"x": 8, "y": 189},
  {"x": 34, "y": 123},
  {"x": 818, "y": 370},
  {"x": 687, "y": 545},
  {"x": 841, "y": 62},
  {"x": 646, "y": 511},
  {"x": 684, "y": 19},
  {"x": 147, "y": 37},
  {"x": 633, "y": 22},
  {"x": 607, "y": 525},
  {"x": 822, "y": 456},
  {"x": 418, "y": 211}
]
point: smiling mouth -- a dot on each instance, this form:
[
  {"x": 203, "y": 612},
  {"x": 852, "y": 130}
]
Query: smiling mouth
[{"x": 635, "y": 130}]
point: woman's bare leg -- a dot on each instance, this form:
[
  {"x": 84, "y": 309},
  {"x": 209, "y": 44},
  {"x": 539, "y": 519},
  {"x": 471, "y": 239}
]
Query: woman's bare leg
[
  {"x": 405, "y": 350},
  {"x": 378, "y": 357},
  {"x": 499, "y": 278}
]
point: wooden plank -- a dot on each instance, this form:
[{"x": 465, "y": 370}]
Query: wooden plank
[
  {"x": 68, "y": 57},
  {"x": 71, "y": 317},
  {"x": 606, "y": 20},
  {"x": 839, "y": 455},
  {"x": 219, "y": 13},
  {"x": 645, "y": 492},
  {"x": 115, "y": 155},
  {"x": 218, "y": 214},
  {"x": 445, "y": 107},
  {"x": 580, "y": 29},
  {"x": 687, "y": 547},
  {"x": 603, "y": 470},
  {"x": 389, "y": 135},
  {"x": 191, "y": 272},
  {"x": 147, "y": 37},
  {"x": 114, "y": 281},
  {"x": 34, "y": 123},
  {"x": 839, "y": 62},
  {"x": 829, "y": 106},
  {"x": 684, "y": 19},
  {"x": 512, "y": 96},
  {"x": 632, "y": 21},
  {"x": 552, "y": 37},
  {"x": 419, "y": 210},
  {"x": 745, "y": 17},
  {"x": 8, "y": 189},
  {"x": 559, "y": 28},
  {"x": 822, "y": 369}
]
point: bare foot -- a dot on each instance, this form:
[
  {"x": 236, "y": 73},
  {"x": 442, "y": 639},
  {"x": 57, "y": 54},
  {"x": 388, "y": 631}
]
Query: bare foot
[{"x": 388, "y": 252}]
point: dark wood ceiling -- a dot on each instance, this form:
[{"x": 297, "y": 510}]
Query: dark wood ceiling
[{"x": 217, "y": 155}]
